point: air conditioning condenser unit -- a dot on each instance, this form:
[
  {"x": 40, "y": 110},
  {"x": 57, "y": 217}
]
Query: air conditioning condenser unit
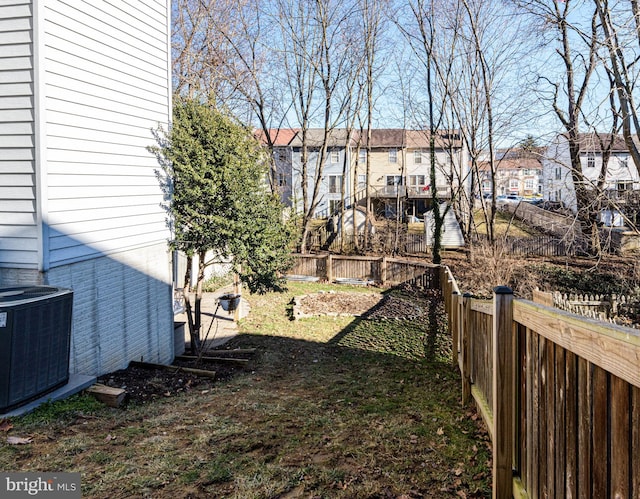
[{"x": 35, "y": 338}]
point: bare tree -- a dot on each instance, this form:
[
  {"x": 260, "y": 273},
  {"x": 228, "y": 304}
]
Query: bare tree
[
  {"x": 224, "y": 49},
  {"x": 195, "y": 42},
  {"x": 466, "y": 63},
  {"x": 577, "y": 48},
  {"x": 421, "y": 38},
  {"x": 317, "y": 43},
  {"x": 622, "y": 61},
  {"x": 373, "y": 25}
]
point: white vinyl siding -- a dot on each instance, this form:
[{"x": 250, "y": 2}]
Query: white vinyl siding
[
  {"x": 106, "y": 86},
  {"x": 18, "y": 225}
]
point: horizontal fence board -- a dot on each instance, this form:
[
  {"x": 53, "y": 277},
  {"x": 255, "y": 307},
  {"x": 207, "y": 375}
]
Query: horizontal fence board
[
  {"x": 388, "y": 271},
  {"x": 613, "y": 348},
  {"x": 577, "y": 397},
  {"x": 482, "y": 306}
]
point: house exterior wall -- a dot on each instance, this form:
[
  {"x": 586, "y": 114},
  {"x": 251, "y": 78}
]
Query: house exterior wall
[
  {"x": 558, "y": 182},
  {"x": 556, "y": 173},
  {"x": 444, "y": 170},
  {"x": 282, "y": 157},
  {"x": 104, "y": 82},
  {"x": 121, "y": 309},
  {"x": 84, "y": 204},
  {"x": 381, "y": 167},
  {"x": 332, "y": 166},
  {"x": 452, "y": 170},
  {"x": 619, "y": 169},
  {"x": 525, "y": 182},
  {"x": 19, "y": 241}
]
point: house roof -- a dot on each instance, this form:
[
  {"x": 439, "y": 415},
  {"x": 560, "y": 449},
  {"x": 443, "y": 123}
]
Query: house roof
[
  {"x": 519, "y": 153},
  {"x": 412, "y": 139},
  {"x": 315, "y": 138},
  {"x": 527, "y": 163},
  {"x": 419, "y": 139},
  {"x": 593, "y": 142},
  {"x": 380, "y": 137},
  {"x": 279, "y": 136}
]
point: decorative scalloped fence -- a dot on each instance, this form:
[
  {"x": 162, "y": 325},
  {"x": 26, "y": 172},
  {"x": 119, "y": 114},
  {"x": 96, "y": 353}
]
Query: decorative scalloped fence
[{"x": 617, "y": 309}]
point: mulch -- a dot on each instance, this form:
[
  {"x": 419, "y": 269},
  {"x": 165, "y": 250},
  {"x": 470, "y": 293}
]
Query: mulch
[{"x": 144, "y": 384}]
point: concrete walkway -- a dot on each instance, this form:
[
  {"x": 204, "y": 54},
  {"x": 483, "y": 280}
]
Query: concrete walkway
[{"x": 218, "y": 325}]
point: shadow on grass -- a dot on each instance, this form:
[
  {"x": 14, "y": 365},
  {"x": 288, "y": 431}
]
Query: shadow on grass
[
  {"x": 377, "y": 403},
  {"x": 370, "y": 411},
  {"x": 425, "y": 336}
]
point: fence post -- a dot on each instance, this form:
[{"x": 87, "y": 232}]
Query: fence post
[
  {"x": 503, "y": 392},
  {"x": 383, "y": 270},
  {"x": 454, "y": 320},
  {"x": 329, "y": 266},
  {"x": 465, "y": 336}
]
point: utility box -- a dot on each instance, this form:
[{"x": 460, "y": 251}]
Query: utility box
[{"x": 35, "y": 338}]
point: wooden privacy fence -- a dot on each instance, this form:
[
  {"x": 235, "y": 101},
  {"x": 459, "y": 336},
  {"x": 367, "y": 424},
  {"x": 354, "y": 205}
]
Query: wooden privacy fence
[
  {"x": 379, "y": 270},
  {"x": 559, "y": 393}
]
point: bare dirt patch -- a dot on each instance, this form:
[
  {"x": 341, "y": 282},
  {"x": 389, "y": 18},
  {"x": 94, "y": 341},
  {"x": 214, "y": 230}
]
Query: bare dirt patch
[
  {"x": 336, "y": 303},
  {"x": 144, "y": 385},
  {"x": 365, "y": 305}
]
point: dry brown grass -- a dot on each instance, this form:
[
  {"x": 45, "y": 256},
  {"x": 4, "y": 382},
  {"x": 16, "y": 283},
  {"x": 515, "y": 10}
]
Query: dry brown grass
[{"x": 335, "y": 407}]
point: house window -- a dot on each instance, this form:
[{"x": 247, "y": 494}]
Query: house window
[
  {"x": 417, "y": 157},
  {"x": 624, "y": 185},
  {"x": 335, "y": 156},
  {"x": 362, "y": 181},
  {"x": 514, "y": 184},
  {"x": 282, "y": 179},
  {"x": 417, "y": 180},
  {"x": 591, "y": 160},
  {"x": 393, "y": 155},
  {"x": 394, "y": 179},
  {"x": 558, "y": 173},
  {"x": 335, "y": 184},
  {"x": 528, "y": 184},
  {"x": 362, "y": 156}
]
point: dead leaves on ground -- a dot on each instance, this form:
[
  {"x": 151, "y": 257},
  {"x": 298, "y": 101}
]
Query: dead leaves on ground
[
  {"x": 11, "y": 440},
  {"x": 5, "y": 425}
]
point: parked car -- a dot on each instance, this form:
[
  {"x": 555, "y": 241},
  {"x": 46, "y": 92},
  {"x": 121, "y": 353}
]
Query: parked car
[
  {"x": 509, "y": 198},
  {"x": 534, "y": 201}
]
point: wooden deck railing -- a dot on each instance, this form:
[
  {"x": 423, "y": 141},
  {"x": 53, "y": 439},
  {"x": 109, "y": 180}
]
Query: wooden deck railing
[{"x": 559, "y": 393}]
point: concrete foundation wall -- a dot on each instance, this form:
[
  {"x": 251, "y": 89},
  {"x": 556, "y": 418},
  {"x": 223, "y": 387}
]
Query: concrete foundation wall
[{"x": 122, "y": 308}]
